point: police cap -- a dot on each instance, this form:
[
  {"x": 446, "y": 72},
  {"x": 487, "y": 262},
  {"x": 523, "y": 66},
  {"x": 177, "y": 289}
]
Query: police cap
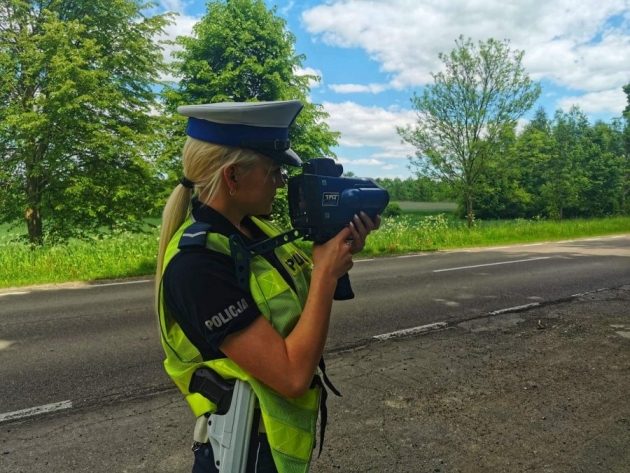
[{"x": 261, "y": 126}]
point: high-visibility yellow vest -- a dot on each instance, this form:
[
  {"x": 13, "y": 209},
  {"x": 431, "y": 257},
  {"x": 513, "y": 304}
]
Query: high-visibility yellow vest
[{"x": 290, "y": 424}]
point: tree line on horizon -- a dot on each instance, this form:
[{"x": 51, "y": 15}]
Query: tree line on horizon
[
  {"x": 90, "y": 140},
  {"x": 558, "y": 167}
]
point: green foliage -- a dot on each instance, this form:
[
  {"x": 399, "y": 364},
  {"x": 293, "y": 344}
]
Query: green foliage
[
  {"x": 420, "y": 189},
  {"x": 280, "y": 211},
  {"x": 557, "y": 169},
  {"x": 625, "y": 202},
  {"x": 392, "y": 210},
  {"x": 241, "y": 51},
  {"x": 75, "y": 89},
  {"x": 467, "y": 111}
]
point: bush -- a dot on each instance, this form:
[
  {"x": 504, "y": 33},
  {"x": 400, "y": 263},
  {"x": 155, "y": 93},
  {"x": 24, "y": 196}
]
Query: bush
[{"x": 392, "y": 210}]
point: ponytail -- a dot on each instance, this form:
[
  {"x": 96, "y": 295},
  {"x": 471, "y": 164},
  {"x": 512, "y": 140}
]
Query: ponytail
[
  {"x": 203, "y": 164},
  {"x": 174, "y": 213}
]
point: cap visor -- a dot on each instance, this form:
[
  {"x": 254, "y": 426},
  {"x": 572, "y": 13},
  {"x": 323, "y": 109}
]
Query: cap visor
[{"x": 288, "y": 156}]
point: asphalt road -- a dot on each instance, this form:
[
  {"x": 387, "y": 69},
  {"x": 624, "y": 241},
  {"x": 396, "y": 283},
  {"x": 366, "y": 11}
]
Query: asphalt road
[{"x": 85, "y": 346}]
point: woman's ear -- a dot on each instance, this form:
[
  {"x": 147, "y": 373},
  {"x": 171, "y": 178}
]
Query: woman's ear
[
  {"x": 230, "y": 178},
  {"x": 229, "y": 173}
]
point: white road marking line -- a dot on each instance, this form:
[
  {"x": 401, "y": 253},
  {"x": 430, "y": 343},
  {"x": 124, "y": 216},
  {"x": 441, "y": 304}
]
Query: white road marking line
[
  {"x": 76, "y": 286},
  {"x": 33, "y": 411},
  {"x": 515, "y": 308},
  {"x": 411, "y": 331},
  {"x": 122, "y": 283},
  {"x": 14, "y": 293},
  {"x": 442, "y": 325},
  {"x": 491, "y": 264}
]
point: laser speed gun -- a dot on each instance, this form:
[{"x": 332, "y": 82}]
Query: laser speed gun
[{"x": 322, "y": 203}]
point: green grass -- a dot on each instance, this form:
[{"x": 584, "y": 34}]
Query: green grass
[
  {"x": 123, "y": 255},
  {"x": 127, "y": 254},
  {"x": 426, "y": 207},
  {"x": 411, "y": 233}
]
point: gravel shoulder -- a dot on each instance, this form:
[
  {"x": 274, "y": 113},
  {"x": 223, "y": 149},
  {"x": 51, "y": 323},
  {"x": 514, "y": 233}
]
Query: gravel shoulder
[{"x": 543, "y": 390}]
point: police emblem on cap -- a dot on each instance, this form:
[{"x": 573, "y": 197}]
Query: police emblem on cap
[{"x": 261, "y": 126}]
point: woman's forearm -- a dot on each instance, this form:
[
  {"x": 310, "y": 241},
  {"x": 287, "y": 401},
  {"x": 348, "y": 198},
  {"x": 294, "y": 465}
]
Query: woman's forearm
[{"x": 305, "y": 344}]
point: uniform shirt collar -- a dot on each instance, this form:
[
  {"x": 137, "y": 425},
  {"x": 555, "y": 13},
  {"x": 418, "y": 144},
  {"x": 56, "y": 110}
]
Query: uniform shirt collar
[{"x": 220, "y": 224}]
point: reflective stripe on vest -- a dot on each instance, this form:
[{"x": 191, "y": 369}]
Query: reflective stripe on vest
[{"x": 290, "y": 424}]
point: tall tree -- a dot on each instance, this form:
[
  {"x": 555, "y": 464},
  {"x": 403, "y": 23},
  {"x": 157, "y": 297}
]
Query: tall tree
[
  {"x": 564, "y": 176},
  {"x": 75, "y": 102},
  {"x": 625, "y": 205},
  {"x": 500, "y": 190},
  {"x": 604, "y": 168},
  {"x": 534, "y": 149},
  {"x": 241, "y": 51},
  {"x": 463, "y": 115}
]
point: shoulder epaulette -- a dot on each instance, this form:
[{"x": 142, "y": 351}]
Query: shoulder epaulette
[{"x": 195, "y": 236}]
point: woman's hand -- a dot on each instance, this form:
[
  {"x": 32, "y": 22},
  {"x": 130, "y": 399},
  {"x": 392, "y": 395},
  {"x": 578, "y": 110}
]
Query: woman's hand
[
  {"x": 334, "y": 258},
  {"x": 360, "y": 227}
]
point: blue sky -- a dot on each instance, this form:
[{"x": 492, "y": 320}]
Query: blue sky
[{"x": 373, "y": 55}]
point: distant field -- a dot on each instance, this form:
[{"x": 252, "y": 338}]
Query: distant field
[{"x": 412, "y": 207}]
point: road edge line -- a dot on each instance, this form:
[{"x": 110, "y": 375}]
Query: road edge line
[
  {"x": 34, "y": 411},
  {"x": 438, "y": 326}
]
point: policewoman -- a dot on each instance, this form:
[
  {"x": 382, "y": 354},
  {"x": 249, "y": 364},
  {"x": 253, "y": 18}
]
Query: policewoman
[{"x": 270, "y": 334}]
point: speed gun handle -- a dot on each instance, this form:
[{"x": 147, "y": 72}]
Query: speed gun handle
[
  {"x": 343, "y": 291},
  {"x": 213, "y": 387}
]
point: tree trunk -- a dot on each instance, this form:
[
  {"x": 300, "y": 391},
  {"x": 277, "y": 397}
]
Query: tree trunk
[
  {"x": 33, "y": 215},
  {"x": 470, "y": 214},
  {"x": 34, "y": 225}
]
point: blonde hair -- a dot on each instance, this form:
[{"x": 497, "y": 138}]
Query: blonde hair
[{"x": 203, "y": 164}]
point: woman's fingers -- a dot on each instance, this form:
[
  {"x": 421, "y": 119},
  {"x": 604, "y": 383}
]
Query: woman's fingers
[
  {"x": 361, "y": 225},
  {"x": 335, "y": 255}
]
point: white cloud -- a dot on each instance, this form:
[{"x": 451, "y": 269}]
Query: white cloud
[
  {"x": 354, "y": 164},
  {"x": 595, "y": 102},
  {"x": 373, "y": 127},
  {"x": 182, "y": 25},
  {"x": 570, "y": 42},
  {"x": 367, "y": 162},
  {"x": 359, "y": 88},
  {"x": 176, "y": 6},
  {"x": 367, "y": 126},
  {"x": 303, "y": 71},
  {"x": 286, "y": 9}
]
